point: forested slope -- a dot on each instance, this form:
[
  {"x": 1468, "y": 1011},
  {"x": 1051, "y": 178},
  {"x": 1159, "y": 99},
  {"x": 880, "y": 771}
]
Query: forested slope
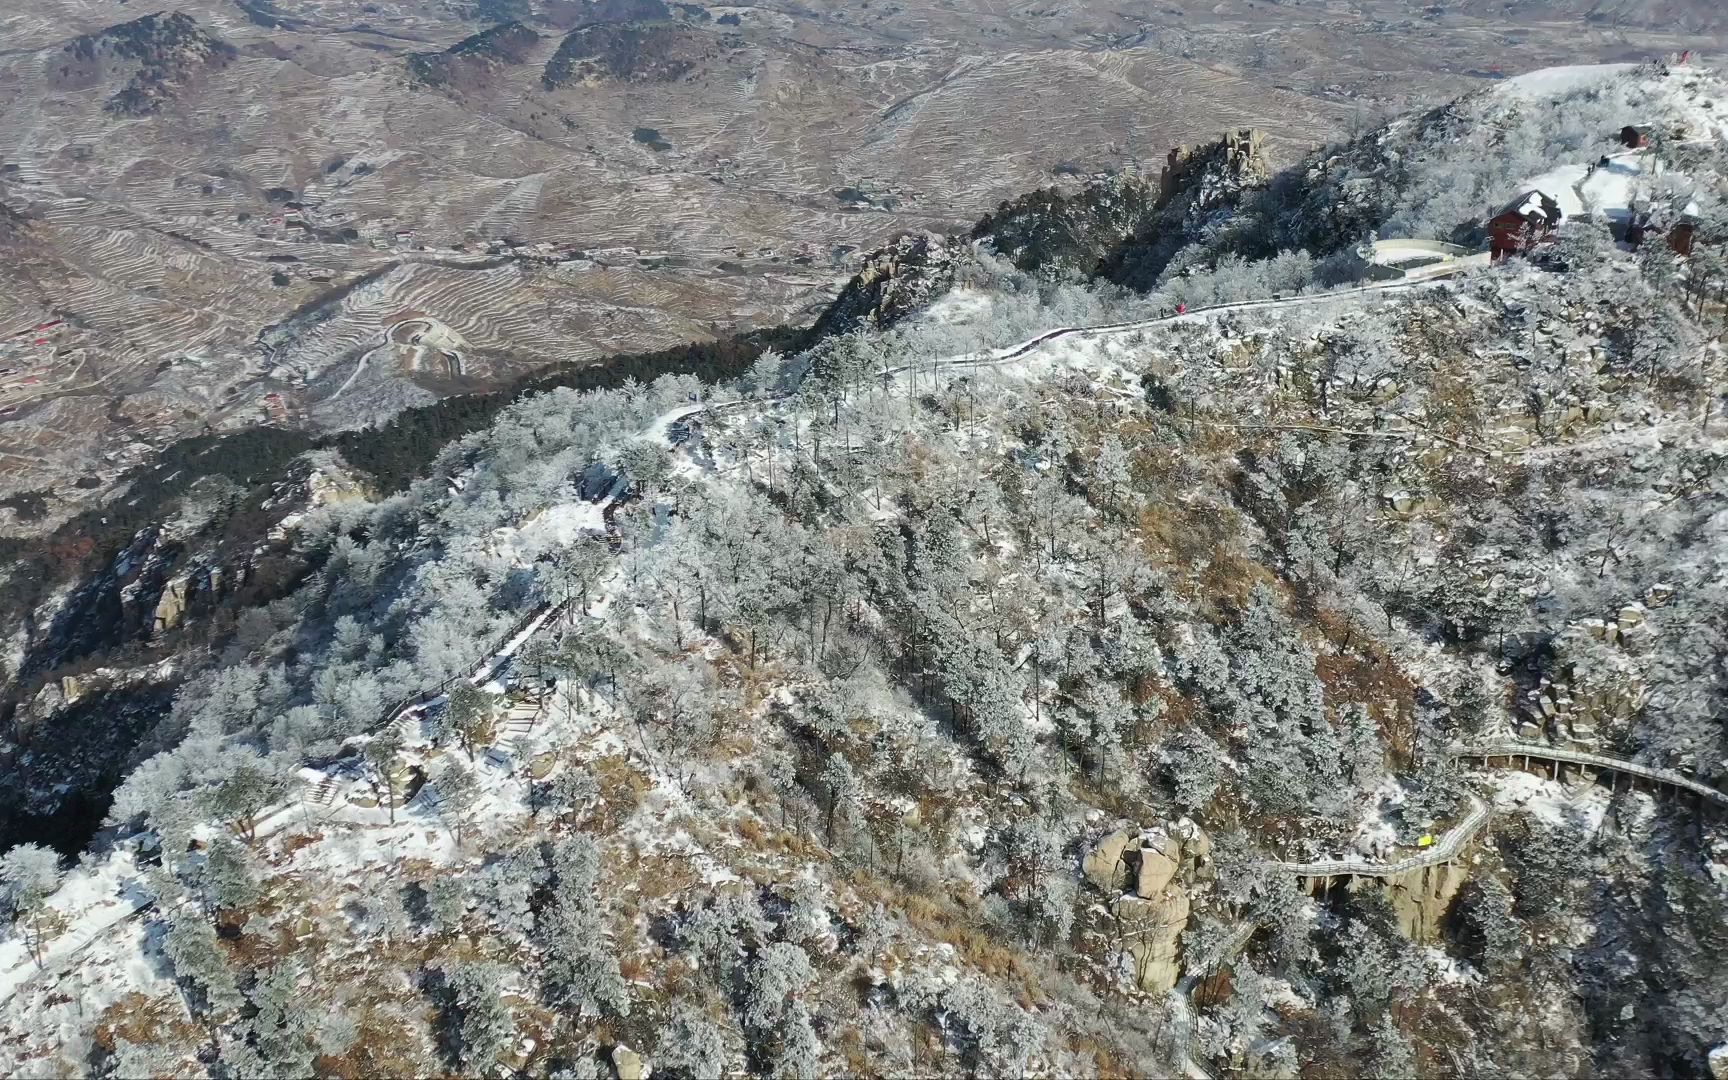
[{"x": 928, "y": 700}]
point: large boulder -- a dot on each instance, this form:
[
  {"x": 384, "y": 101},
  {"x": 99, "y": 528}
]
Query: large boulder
[
  {"x": 1104, "y": 865},
  {"x": 1158, "y": 862},
  {"x": 171, "y": 605},
  {"x": 628, "y": 1064}
]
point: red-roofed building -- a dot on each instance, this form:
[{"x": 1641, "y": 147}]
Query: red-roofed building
[{"x": 1525, "y": 222}]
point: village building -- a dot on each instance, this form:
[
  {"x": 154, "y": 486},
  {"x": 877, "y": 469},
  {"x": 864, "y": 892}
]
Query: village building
[
  {"x": 1678, "y": 230},
  {"x": 1525, "y": 222}
]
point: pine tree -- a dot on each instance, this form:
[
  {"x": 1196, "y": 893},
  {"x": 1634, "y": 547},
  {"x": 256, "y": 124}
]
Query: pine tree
[
  {"x": 383, "y": 753},
  {"x": 200, "y": 964},
  {"x": 458, "y": 797},
  {"x": 780, "y": 974},
  {"x": 470, "y": 716},
  {"x": 487, "y": 1029},
  {"x": 691, "y": 1045}
]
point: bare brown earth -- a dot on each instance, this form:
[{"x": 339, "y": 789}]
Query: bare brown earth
[{"x": 235, "y": 204}]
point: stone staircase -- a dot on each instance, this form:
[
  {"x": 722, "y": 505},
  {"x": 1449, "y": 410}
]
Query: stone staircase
[{"x": 518, "y": 722}]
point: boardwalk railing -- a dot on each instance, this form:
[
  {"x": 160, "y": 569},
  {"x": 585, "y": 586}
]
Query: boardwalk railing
[
  {"x": 487, "y": 664},
  {"x": 1443, "y": 851},
  {"x": 1539, "y": 752}
]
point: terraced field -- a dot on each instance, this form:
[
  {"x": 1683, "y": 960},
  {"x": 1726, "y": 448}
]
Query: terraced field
[{"x": 614, "y": 174}]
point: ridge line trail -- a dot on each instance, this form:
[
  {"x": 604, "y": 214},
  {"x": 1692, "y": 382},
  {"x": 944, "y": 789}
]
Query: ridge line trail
[{"x": 1005, "y": 354}]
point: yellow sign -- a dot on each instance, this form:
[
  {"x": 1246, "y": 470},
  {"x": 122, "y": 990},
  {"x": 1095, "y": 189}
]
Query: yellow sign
[{"x": 1427, "y": 840}]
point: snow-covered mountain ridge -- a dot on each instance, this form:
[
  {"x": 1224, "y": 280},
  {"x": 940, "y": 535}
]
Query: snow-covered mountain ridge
[{"x": 1053, "y": 683}]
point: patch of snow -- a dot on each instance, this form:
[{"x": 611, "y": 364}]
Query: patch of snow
[
  {"x": 562, "y": 525},
  {"x": 1579, "y": 810},
  {"x": 961, "y": 306},
  {"x": 1608, "y": 189},
  {"x": 1558, "y": 81}
]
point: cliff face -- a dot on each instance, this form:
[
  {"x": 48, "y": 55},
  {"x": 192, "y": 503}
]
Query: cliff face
[
  {"x": 1199, "y": 191},
  {"x": 63, "y": 756},
  {"x": 897, "y": 281}
]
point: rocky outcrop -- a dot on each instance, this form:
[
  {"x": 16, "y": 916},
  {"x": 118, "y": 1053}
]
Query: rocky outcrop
[
  {"x": 1421, "y": 898},
  {"x": 628, "y": 1064},
  {"x": 1212, "y": 175},
  {"x": 1122, "y": 227},
  {"x": 1079, "y": 231},
  {"x": 1595, "y": 681},
  {"x": 1158, "y": 862},
  {"x": 1150, "y": 929},
  {"x": 327, "y": 484},
  {"x": 473, "y": 57},
  {"x": 168, "y": 49},
  {"x": 1162, "y": 865},
  {"x": 171, "y": 605},
  {"x": 899, "y": 280},
  {"x": 1195, "y": 848},
  {"x": 1201, "y": 188},
  {"x": 637, "y": 52}
]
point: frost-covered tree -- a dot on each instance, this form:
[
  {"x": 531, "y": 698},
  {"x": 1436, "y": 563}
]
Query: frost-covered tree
[
  {"x": 779, "y": 975},
  {"x": 282, "y": 1028},
  {"x": 691, "y": 1045},
  {"x": 29, "y": 874},
  {"x": 1034, "y": 877},
  {"x": 800, "y": 1052},
  {"x": 1392, "y": 1053},
  {"x": 200, "y": 964},
  {"x": 506, "y": 890},
  {"x": 580, "y": 971},
  {"x": 458, "y": 798},
  {"x": 1489, "y": 909},
  {"x": 570, "y": 789},
  {"x": 716, "y": 933},
  {"x": 470, "y": 716},
  {"x": 383, "y": 754},
  {"x": 1434, "y": 792},
  {"x": 842, "y": 793},
  {"x": 246, "y": 791},
  {"x": 231, "y": 876},
  {"x": 1195, "y": 766},
  {"x": 447, "y": 901},
  {"x": 485, "y": 1029}
]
